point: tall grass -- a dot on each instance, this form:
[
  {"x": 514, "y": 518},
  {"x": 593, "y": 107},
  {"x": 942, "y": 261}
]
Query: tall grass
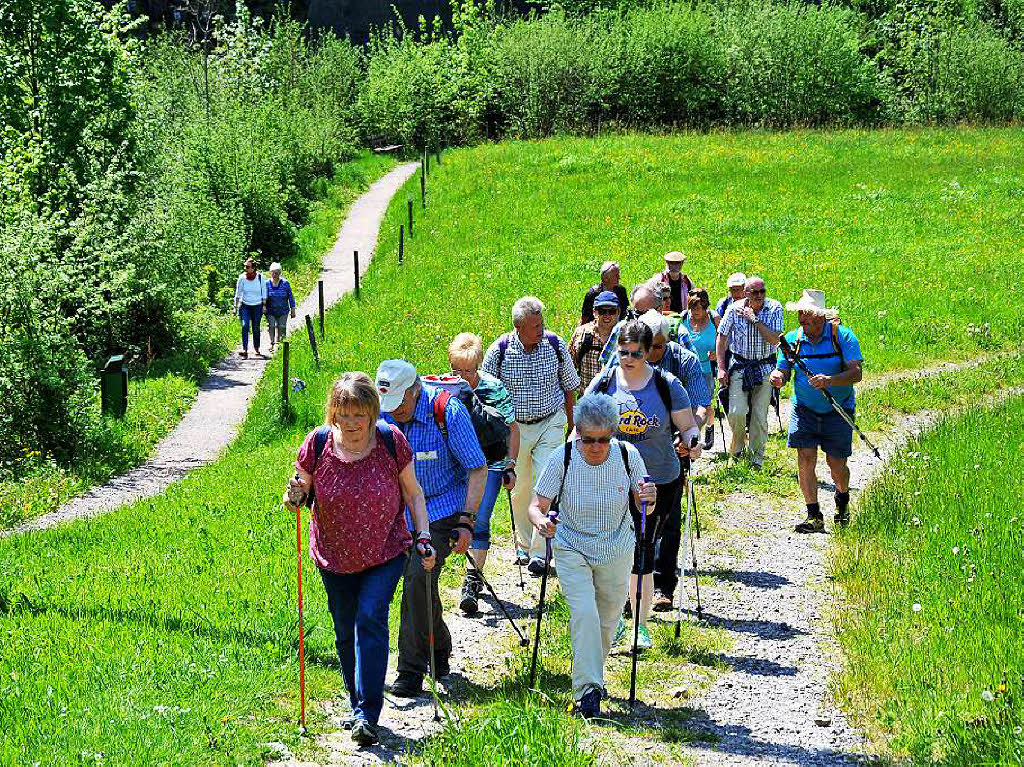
[{"x": 932, "y": 569}]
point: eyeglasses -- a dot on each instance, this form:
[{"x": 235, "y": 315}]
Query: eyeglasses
[
  {"x": 607, "y": 310},
  {"x": 595, "y": 440},
  {"x": 760, "y": 292},
  {"x": 637, "y": 355}
]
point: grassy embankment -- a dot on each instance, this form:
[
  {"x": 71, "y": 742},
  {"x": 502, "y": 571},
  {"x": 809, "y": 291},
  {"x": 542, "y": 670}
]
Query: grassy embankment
[
  {"x": 160, "y": 394},
  {"x": 166, "y": 631},
  {"x": 932, "y": 567}
]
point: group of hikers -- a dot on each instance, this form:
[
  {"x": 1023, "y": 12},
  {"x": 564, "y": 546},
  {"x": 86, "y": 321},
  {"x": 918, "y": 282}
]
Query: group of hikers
[{"x": 590, "y": 439}]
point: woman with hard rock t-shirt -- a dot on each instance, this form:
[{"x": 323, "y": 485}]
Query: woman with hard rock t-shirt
[
  {"x": 644, "y": 421},
  {"x": 363, "y": 480}
]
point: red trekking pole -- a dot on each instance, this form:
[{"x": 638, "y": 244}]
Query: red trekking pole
[{"x": 302, "y": 633}]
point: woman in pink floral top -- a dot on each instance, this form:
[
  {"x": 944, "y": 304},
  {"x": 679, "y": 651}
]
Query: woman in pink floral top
[{"x": 362, "y": 481}]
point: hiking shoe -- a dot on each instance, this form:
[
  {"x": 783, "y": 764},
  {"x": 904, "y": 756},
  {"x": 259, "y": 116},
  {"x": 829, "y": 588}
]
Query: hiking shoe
[
  {"x": 662, "y": 602},
  {"x": 842, "y": 517},
  {"x": 620, "y": 633},
  {"x": 811, "y": 525},
  {"x": 589, "y": 705},
  {"x": 470, "y": 590},
  {"x": 443, "y": 670},
  {"x": 627, "y": 611},
  {"x": 244, "y": 355},
  {"x": 709, "y": 437},
  {"x": 643, "y": 639},
  {"x": 364, "y": 733},
  {"x": 408, "y": 685},
  {"x": 536, "y": 567}
]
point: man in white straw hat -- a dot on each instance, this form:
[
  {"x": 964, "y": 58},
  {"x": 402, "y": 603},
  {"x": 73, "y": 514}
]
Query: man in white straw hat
[
  {"x": 609, "y": 281},
  {"x": 749, "y": 332},
  {"x": 832, "y": 354},
  {"x": 679, "y": 284}
]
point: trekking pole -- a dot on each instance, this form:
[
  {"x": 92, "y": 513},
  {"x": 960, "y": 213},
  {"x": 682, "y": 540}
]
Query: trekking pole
[
  {"x": 790, "y": 354},
  {"x": 515, "y": 540},
  {"x": 523, "y": 641},
  {"x": 681, "y": 562},
  {"x": 693, "y": 553},
  {"x": 639, "y": 596},
  {"x": 430, "y": 640},
  {"x": 553, "y": 515},
  {"x": 775, "y": 403},
  {"x": 302, "y": 633}
]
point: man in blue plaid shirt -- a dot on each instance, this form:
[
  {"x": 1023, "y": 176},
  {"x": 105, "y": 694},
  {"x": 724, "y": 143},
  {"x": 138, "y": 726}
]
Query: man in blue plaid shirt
[{"x": 749, "y": 330}]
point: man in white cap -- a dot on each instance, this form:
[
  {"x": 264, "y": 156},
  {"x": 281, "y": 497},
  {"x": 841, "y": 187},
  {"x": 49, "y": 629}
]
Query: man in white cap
[
  {"x": 749, "y": 332},
  {"x": 536, "y": 368},
  {"x": 737, "y": 285},
  {"x": 832, "y": 354},
  {"x": 452, "y": 470},
  {"x": 609, "y": 281},
  {"x": 679, "y": 284}
]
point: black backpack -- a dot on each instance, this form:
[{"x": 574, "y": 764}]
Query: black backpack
[
  {"x": 604, "y": 383},
  {"x": 384, "y": 434},
  {"x": 491, "y": 430}
]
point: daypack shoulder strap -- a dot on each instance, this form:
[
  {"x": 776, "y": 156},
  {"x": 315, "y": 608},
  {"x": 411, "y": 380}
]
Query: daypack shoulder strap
[
  {"x": 604, "y": 383},
  {"x": 319, "y": 444},
  {"x": 565, "y": 470},
  {"x": 440, "y": 403},
  {"x": 629, "y": 476},
  {"x": 553, "y": 340},
  {"x": 388, "y": 438},
  {"x": 586, "y": 346},
  {"x": 664, "y": 390},
  {"x": 502, "y": 348}
]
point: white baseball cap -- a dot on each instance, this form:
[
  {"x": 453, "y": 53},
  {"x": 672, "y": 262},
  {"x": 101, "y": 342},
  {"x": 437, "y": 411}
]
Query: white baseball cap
[
  {"x": 394, "y": 377},
  {"x": 275, "y": 267},
  {"x": 736, "y": 280}
]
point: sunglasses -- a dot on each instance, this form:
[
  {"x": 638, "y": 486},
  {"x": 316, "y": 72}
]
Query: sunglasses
[
  {"x": 607, "y": 311},
  {"x": 760, "y": 292},
  {"x": 595, "y": 440},
  {"x": 637, "y": 355}
]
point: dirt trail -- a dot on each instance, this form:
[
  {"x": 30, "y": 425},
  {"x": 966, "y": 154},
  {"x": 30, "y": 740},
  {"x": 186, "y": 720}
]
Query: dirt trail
[
  {"x": 765, "y": 586},
  {"x": 223, "y": 400}
]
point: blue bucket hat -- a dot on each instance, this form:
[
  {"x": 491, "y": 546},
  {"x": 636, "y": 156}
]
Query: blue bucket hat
[{"x": 606, "y": 298}]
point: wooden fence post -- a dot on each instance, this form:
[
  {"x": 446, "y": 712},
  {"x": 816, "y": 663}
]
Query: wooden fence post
[
  {"x": 355, "y": 267},
  {"x": 320, "y": 290},
  {"x": 401, "y": 242},
  {"x": 285, "y": 357},
  {"x": 312, "y": 340},
  {"x": 410, "y": 217}
]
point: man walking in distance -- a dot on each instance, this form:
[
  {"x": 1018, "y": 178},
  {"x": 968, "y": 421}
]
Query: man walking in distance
[
  {"x": 832, "y": 354},
  {"x": 537, "y": 370},
  {"x": 737, "y": 285},
  {"x": 609, "y": 282},
  {"x": 749, "y": 331},
  {"x": 453, "y": 473},
  {"x": 679, "y": 284},
  {"x": 588, "y": 340}
]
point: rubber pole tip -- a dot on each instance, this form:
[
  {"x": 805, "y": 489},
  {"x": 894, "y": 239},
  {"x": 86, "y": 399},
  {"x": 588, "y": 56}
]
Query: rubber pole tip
[
  {"x": 303, "y": 731},
  {"x": 524, "y": 642}
]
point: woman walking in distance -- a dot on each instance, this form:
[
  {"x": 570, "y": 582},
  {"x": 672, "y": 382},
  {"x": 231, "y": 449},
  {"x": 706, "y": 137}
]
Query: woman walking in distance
[
  {"x": 592, "y": 480},
  {"x": 357, "y": 473}
]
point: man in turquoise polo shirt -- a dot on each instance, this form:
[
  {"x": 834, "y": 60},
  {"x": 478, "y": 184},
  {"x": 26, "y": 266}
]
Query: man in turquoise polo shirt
[{"x": 832, "y": 353}]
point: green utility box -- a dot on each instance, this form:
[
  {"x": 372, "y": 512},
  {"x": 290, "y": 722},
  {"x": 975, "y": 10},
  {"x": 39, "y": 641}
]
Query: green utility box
[{"x": 114, "y": 387}]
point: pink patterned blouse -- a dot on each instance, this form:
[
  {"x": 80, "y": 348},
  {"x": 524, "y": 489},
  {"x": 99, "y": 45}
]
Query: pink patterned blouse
[{"x": 357, "y": 520}]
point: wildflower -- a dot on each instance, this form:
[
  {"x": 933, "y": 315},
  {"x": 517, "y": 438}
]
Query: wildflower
[
  {"x": 987, "y": 696},
  {"x": 916, "y": 522},
  {"x": 917, "y": 607},
  {"x": 956, "y": 550}
]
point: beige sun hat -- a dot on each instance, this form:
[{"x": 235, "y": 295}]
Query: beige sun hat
[
  {"x": 810, "y": 301},
  {"x": 675, "y": 257}
]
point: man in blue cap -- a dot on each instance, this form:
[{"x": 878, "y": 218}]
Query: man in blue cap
[{"x": 589, "y": 339}]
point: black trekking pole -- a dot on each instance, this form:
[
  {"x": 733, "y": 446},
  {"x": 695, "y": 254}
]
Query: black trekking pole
[
  {"x": 523, "y": 641},
  {"x": 693, "y": 553},
  {"x": 776, "y": 404},
  {"x": 553, "y": 515},
  {"x": 639, "y": 596},
  {"x": 681, "y": 561},
  {"x": 515, "y": 540},
  {"x": 430, "y": 639},
  {"x": 790, "y": 354}
]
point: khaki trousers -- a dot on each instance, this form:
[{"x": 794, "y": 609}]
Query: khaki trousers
[
  {"x": 760, "y": 399},
  {"x": 595, "y": 593},
  {"x": 536, "y": 443}
]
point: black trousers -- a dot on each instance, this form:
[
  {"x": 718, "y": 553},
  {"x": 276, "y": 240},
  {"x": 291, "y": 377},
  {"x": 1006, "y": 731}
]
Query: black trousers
[
  {"x": 413, "y": 632},
  {"x": 666, "y": 556},
  {"x": 657, "y": 522}
]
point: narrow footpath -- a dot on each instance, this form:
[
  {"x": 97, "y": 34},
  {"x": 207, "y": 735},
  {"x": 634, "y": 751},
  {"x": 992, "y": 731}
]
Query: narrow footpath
[{"x": 223, "y": 400}]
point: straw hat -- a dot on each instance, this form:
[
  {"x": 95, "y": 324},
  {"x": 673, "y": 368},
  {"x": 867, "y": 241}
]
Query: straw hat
[{"x": 810, "y": 301}]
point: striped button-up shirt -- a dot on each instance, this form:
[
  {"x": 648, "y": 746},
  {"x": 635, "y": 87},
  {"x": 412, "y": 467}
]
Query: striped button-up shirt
[
  {"x": 442, "y": 467},
  {"x": 590, "y": 362},
  {"x": 745, "y": 340},
  {"x": 537, "y": 380}
]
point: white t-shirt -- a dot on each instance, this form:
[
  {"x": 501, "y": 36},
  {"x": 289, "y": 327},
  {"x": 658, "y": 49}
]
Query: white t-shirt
[{"x": 594, "y": 516}]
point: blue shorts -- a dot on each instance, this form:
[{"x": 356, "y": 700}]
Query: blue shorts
[{"x": 828, "y": 431}]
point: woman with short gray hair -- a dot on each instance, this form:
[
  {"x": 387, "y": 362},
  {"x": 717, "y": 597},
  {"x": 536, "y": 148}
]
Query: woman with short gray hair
[{"x": 591, "y": 483}]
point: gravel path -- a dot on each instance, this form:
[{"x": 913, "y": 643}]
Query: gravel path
[{"x": 223, "y": 399}]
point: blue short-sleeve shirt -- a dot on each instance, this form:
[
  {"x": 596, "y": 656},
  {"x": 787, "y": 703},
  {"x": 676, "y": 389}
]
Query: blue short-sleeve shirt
[
  {"x": 442, "y": 466},
  {"x": 822, "y": 358}
]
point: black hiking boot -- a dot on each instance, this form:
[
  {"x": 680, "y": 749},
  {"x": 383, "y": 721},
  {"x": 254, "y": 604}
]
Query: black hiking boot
[
  {"x": 590, "y": 704},
  {"x": 471, "y": 587},
  {"x": 842, "y": 517},
  {"x": 813, "y": 524},
  {"x": 365, "y": 733},
  {"x": 409, "y": 684}
]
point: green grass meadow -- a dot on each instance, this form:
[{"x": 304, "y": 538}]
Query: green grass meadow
[
  {"x": 931, "y": 566},
  {"x": 165, "y": 632}
]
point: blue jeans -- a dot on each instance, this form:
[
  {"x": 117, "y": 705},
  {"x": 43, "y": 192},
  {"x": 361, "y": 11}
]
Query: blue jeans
[
  {"x": 359, "y": 608},
  {"x": 251, "y": 315},
  {"x": 482, "y": 528}
]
